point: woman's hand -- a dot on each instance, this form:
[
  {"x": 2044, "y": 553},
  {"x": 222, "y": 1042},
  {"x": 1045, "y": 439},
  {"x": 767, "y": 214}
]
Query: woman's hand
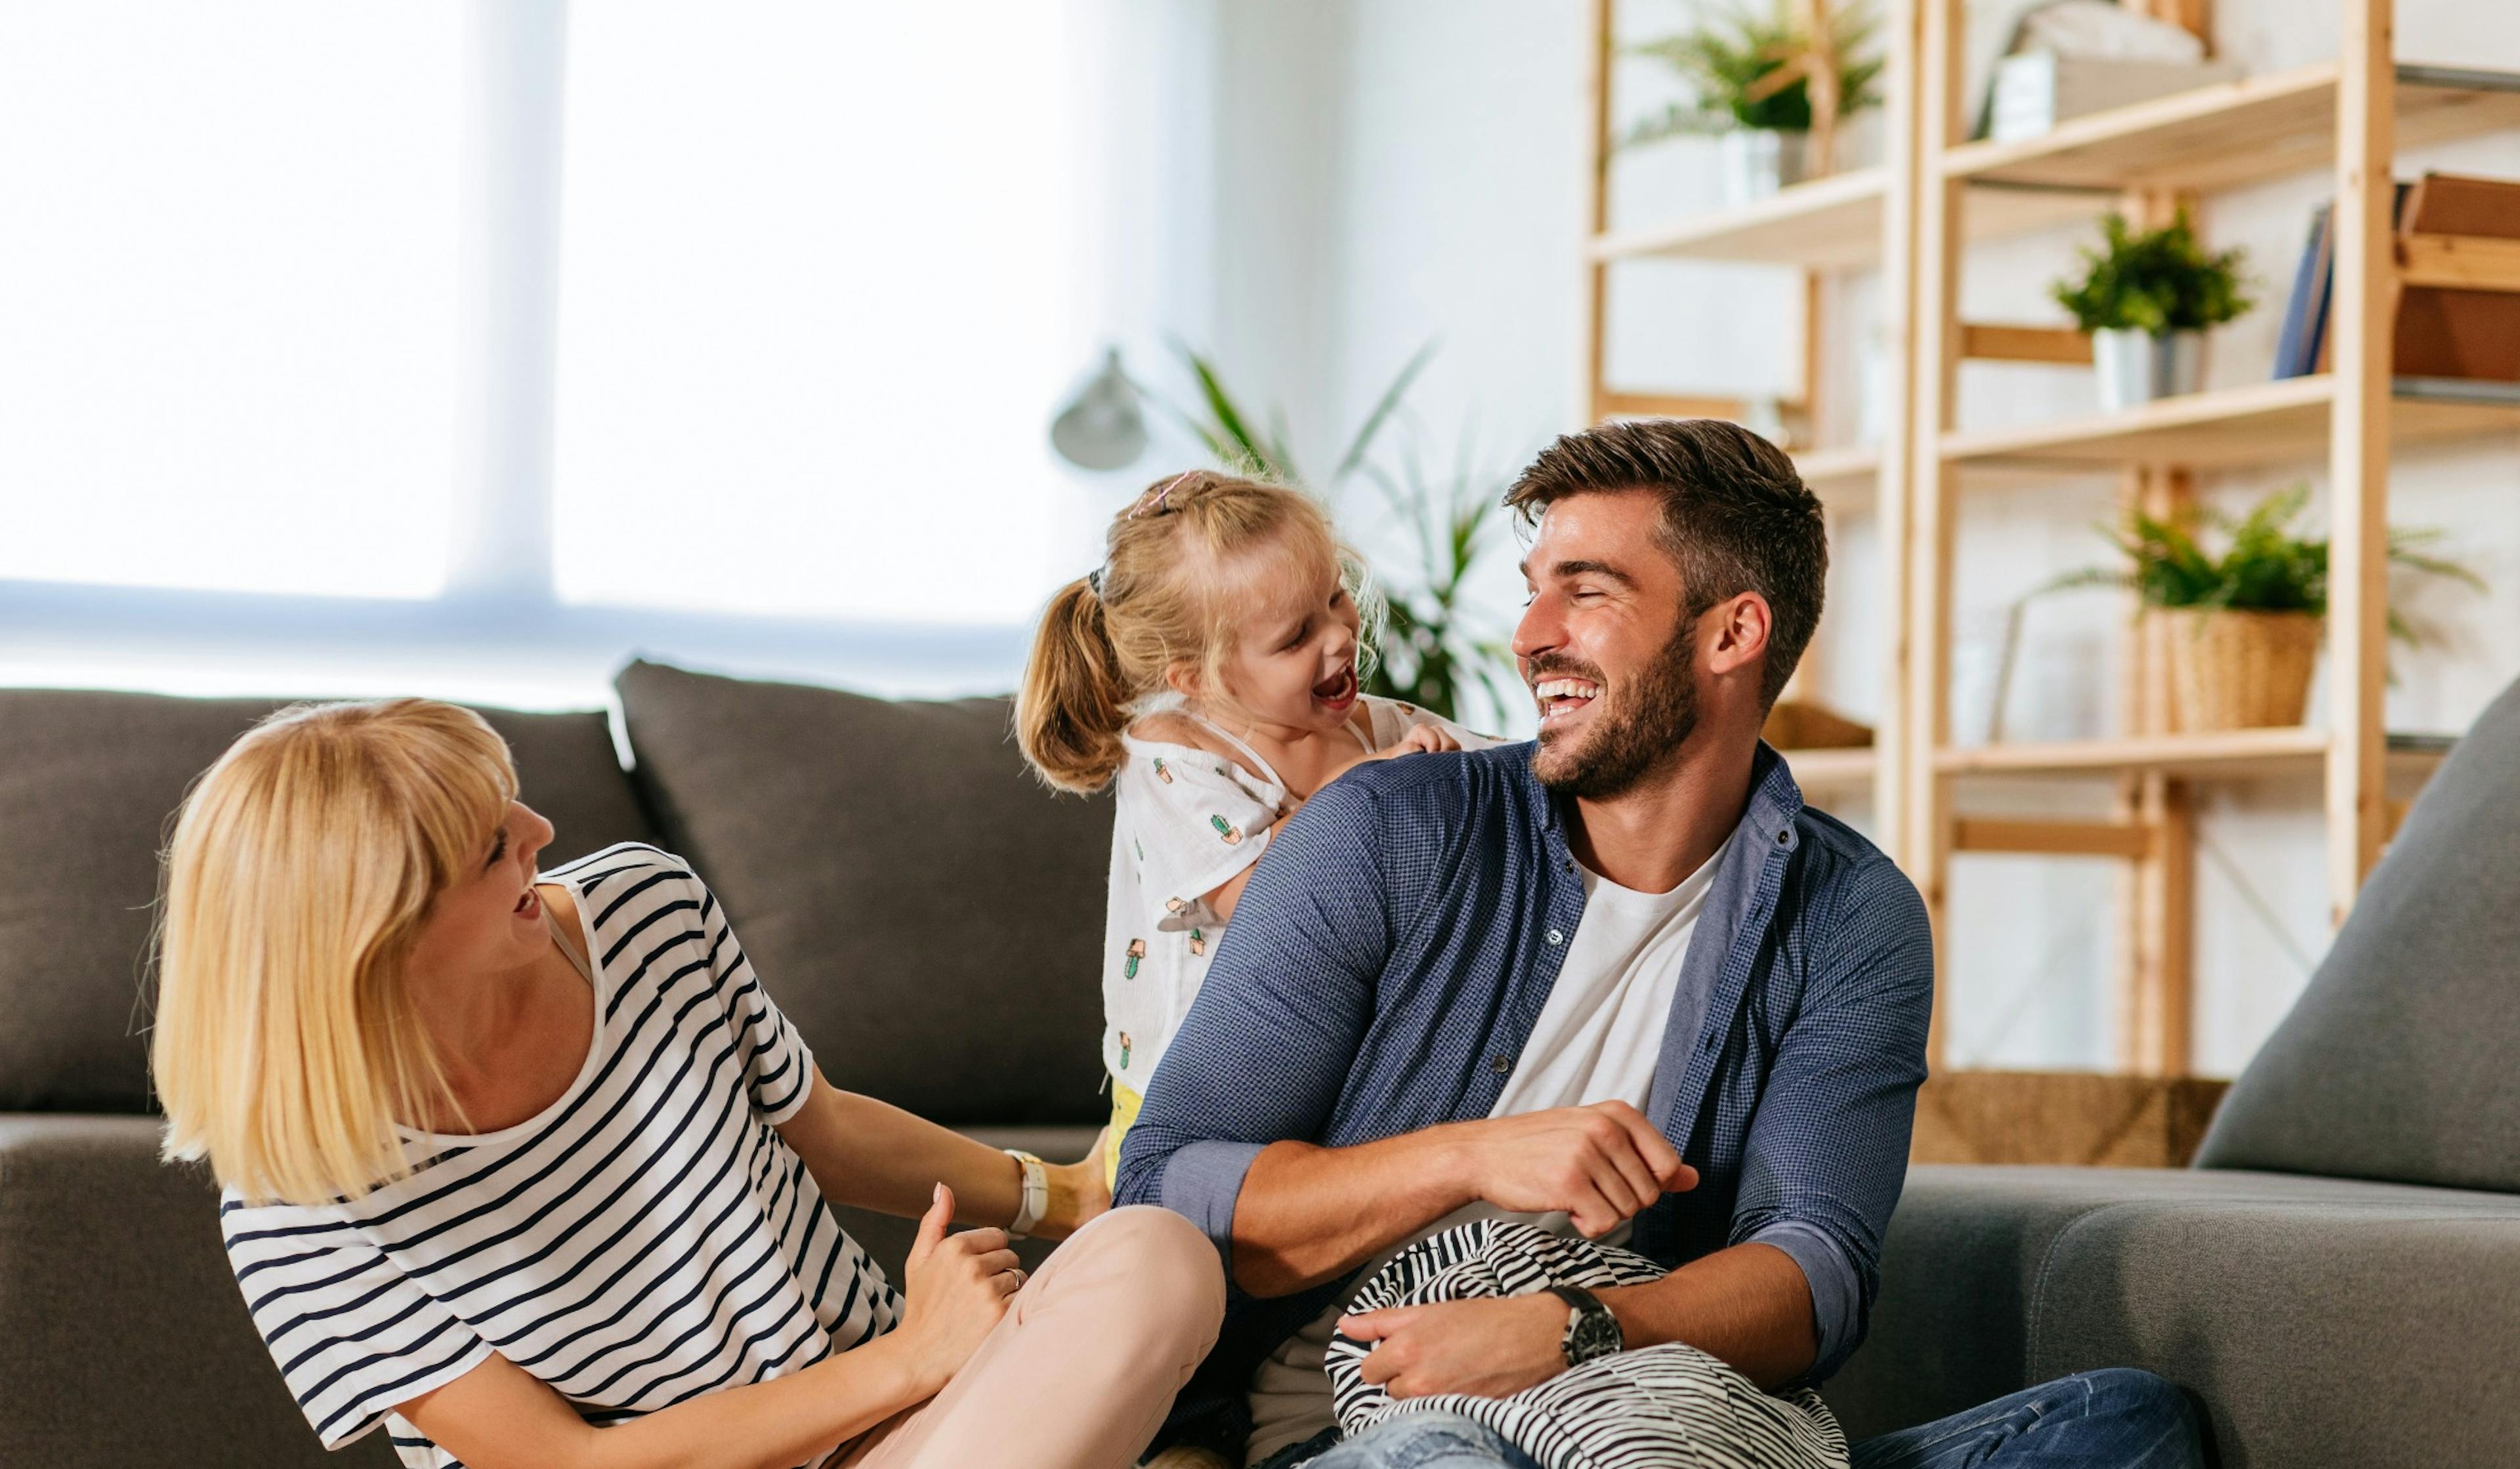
[
  {"x": 1078, "y": 1191},
  {"x": 956, "y": 1288}
]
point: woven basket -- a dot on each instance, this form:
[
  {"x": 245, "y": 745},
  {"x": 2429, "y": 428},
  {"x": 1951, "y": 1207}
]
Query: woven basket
[{"x": 2238, "y": 670}]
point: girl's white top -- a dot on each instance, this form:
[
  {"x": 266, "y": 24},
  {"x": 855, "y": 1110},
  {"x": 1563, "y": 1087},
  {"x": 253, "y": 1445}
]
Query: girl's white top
[{"x": 1187, "y": 822}]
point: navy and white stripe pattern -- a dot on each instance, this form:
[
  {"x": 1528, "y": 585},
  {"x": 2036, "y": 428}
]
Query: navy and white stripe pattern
[
  {"x": 1669, "y": 1406},
  {"x": 648, "y": 1238}
]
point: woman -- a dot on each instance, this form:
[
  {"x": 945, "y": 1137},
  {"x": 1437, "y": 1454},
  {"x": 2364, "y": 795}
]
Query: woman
[{"x": 530, "y": 1170}]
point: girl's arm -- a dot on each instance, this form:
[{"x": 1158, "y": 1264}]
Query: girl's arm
[
  {"x": 875, "y": 1155},
  {"x": 956, "y": 1287}
]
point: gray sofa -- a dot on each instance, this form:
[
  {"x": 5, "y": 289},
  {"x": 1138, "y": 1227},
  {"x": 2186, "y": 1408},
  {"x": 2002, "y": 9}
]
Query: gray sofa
[
  {"x": 2337, "y": 1281},
  {"x": 2341, "y": 1284}
]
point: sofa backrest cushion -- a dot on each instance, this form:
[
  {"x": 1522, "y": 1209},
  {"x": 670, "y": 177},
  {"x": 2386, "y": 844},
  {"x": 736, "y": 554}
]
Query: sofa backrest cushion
[
  {"x": 2398, "y": 1061},
  {"x": 89, "y": 783},
  {"x": 926, "y": 912}
]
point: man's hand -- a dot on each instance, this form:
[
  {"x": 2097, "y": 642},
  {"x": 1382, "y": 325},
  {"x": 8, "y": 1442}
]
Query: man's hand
[
  {"x": 1488, "y": 1349},
  {"x": 1600, "y": 1165}
]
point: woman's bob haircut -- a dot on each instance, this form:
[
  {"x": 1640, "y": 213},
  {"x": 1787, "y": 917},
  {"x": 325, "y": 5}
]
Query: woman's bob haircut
[{"x": 303, "y": 862}]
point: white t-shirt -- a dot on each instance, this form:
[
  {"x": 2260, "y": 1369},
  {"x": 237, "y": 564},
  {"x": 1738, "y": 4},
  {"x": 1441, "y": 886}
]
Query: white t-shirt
[
  {"x": 1598, "y": 1038},
  {"x": 1185, "y": 822},
  {"x": 645, "y": 1238}
]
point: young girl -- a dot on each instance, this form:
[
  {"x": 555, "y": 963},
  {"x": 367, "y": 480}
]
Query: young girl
[
  {"x": 528, "y": 1169},
  {"x": 1211, "y": 667}
]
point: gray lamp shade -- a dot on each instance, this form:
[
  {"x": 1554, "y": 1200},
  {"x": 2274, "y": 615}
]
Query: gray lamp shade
[{"x": 1103, "y": 426}]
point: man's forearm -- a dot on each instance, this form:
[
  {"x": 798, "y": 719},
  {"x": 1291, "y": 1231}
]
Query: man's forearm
[
  {"x": 1748, "y": 1306},
  {"x": 1308, "y": 1215}
]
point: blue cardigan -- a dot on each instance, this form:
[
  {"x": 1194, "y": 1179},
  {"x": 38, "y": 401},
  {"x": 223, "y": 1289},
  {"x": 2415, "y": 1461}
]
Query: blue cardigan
[{"x": 1394, "y": 947}]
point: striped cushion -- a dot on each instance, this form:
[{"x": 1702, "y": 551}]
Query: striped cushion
[{"x": 1668, "y": 1407}]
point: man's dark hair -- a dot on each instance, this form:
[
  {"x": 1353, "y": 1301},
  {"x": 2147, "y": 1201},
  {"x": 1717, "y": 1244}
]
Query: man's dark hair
[{"x": 1736, "y": 516}]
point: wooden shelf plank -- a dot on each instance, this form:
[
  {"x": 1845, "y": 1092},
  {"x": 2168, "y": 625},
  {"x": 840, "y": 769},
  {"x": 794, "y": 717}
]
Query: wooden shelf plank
[
  {"x": 2292, "y": 750},
  {"x": 2215, "y": 137},
  {"x": 1837, "y": 770},
  {"x": 2241, "y": 132},
  {"x": 1841, "y": 474},
  {"x": 2262, "y": 422},
  {"x": 1827, "y": 222},
  {"x": 1831, "y": 223}
]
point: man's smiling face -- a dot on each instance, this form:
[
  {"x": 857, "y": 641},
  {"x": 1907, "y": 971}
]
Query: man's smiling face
[{"x": 1605, "y": 644}]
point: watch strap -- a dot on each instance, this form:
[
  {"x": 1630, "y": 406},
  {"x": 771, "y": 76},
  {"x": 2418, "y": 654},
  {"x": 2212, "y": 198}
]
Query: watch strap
[
  {"x": 1586, "y": 1308},
  {"x": 1035, "y": 1199}
]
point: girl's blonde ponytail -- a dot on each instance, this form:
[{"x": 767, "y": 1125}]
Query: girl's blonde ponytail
[{"x": 1074, "y": 701}]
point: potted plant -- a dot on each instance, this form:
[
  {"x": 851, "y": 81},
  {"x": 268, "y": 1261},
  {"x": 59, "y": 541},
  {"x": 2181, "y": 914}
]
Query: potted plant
[
  {"x": 2146, "y": 299},
  {"x": 2240, "y": 630},
  {"x": 1769, "y": 87}
]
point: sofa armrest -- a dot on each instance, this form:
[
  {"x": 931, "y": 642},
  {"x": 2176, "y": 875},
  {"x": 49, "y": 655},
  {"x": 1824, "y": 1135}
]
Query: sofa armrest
[
  {"x": 2314, "y": 1321},
  {"x": 123, "y": 1340}
]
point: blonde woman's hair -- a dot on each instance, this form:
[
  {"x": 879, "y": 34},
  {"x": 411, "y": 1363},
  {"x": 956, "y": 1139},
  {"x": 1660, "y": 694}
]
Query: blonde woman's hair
[
  {"x": 303, "y": 862},
  {"x": 1107, "y": 641}
]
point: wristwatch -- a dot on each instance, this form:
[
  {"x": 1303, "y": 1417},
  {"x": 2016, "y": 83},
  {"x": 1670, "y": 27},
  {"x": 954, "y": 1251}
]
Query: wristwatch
[
  {"x": 1590, "y": 1330},
  {"x": 1033, "y": 1199}
]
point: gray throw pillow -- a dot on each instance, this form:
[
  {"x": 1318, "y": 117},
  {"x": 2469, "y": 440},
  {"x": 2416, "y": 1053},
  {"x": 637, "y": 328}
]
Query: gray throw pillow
[
  {"x": 926, "y": 912},
  {"x": 89, "y": 783},
  {"x": 2397, "y": 1062}
]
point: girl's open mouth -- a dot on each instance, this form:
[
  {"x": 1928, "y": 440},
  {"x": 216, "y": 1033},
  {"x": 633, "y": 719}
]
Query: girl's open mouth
[
  {"x": 530, "y": 906},
  {"x": 1338, "y": 690}
]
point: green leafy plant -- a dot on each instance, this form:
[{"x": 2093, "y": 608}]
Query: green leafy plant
[
  {"x": 1422, "y": 645},
  {"x": 1744, "y": 70},
  {"x": 2154, "y": 280},
  {"x": 1431, "y": 652},
  {"x": 2263, "y": 567}
]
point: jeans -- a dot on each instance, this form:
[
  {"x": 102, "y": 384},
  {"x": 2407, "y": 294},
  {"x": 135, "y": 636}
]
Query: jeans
[
  {"x": 1425, "y": 1441},
  {"x": 2115, "y": 1418}
]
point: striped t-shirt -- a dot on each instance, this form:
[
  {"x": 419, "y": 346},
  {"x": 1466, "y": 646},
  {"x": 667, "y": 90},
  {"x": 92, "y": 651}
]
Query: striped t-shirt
[{"x": 648, "y": 1237}]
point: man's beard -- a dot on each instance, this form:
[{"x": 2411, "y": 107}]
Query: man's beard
[{"x": 1655, "y": 714}]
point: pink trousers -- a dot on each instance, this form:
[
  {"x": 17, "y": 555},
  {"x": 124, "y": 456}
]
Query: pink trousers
[{"x": 1083, "y": 1368}]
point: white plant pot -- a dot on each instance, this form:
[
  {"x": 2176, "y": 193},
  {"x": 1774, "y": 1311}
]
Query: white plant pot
[
  {"x": 2139, "y": 367},
  {"x": 1758, "y": 162}
]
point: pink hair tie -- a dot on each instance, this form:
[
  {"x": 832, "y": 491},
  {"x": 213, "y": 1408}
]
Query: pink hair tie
[{"x": 1156, "y": 505}]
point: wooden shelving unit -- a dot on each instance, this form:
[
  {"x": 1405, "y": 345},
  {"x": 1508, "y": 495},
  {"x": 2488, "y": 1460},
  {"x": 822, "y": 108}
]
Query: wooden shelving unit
[
  {"x": 1913, "y": 217},
  {"x": 2259, "y": 424},
  {"x": 2349, "y": 115}
]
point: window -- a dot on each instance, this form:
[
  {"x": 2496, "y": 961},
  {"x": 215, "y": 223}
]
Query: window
[
  {"x": 227, "y": 293},
  {"x": 468, "y": 347},
  {"x": 813, "y": 308}
]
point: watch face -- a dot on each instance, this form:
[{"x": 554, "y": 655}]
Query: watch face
[{"x": 1595, "y": 1333}]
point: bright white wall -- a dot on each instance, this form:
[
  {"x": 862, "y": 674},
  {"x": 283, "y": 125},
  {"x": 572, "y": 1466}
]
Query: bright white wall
[{"x": 1414, "y": 168}]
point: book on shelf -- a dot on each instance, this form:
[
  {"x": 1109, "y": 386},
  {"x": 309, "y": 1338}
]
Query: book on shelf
[
  {"x": 2447, "y": 344},
  {"x": 2305, "y": 321}
]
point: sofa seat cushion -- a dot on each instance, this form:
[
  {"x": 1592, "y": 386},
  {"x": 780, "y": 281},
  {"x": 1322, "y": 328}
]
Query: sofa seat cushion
[
  {"x": 123, "y": 1339},
  {"x": 927, "y": 913},
  {"x": 88, "y": 785},
  {"x": 2318, "y": 1320}
]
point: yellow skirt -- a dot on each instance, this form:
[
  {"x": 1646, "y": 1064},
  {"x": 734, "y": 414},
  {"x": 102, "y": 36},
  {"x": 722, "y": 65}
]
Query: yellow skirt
[{"x": 1124, "y": 1111}]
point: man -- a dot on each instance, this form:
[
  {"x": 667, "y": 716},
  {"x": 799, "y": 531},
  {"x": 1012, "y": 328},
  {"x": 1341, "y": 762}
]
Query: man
[{"x": 1621, "y": 982}]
